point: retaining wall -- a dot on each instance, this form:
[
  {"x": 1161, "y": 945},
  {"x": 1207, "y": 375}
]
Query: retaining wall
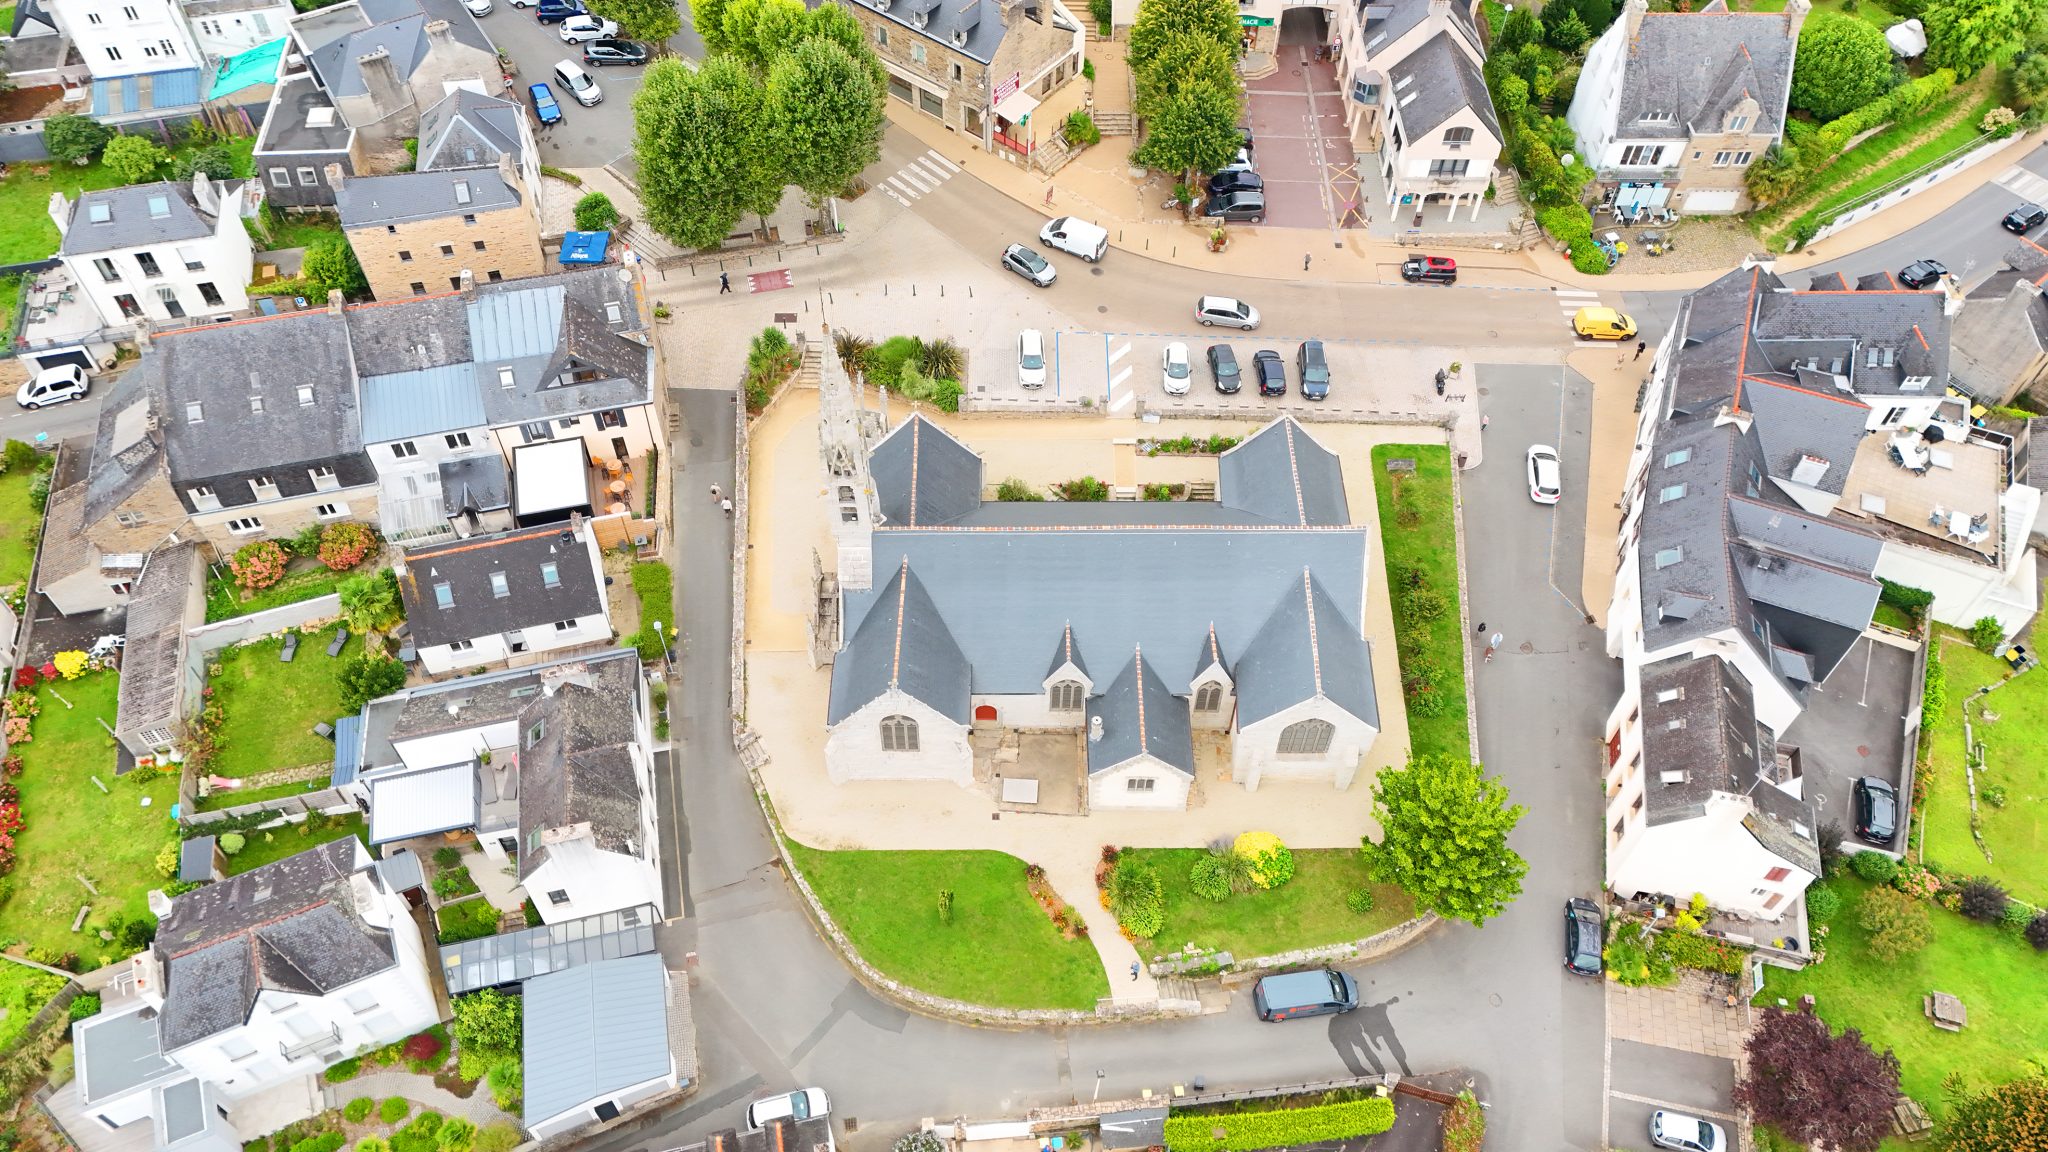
[{"x": 1918, "y": 184}]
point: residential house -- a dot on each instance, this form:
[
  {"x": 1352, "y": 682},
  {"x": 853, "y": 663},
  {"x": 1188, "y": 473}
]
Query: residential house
[
  {"x": 124, "y": 38},
  {"x": 34, "y": 53},
  {"x": 1260, "y": 640},
  {"x": 421, "y": 232},
  {"x": 149, "y": 715},
  {"x": 224, "y": 28},
  {"x": 302, "y": 136},
  {"x": 166, "y": 252},
  {"x": 254, "y": 986},
  {"x": 518, "y": 596},
  {"x": 2001, "y": 336},
  {"x": 1673, "y": 107},
  {"x": 600, "y": 1038},
  {"x": 384, "y": 62},
  {"x": 982, "y": 68}
]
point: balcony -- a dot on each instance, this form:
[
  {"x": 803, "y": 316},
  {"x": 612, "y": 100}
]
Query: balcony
[
  {"x": 1638, "y": 173},
  {"x": 328, "y": 1040}
]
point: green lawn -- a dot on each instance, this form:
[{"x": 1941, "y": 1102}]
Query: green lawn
[
  {"x": 19, "y": 523},
  {"x": 1997, "y": 975},
  {"x": 1305, "y": 912},
  {"x": 271, "y": 707},
  {"x": 2016, "y": 756},
  {"x": 1000, "y": 948},
  {"x": 654, "y": 586},
  {"x": 26, "y": 230},
  {"x": 1893, "y": 616},
  {"x": 1425, "y": 544},
  {"x": 1868, "y": 11},
  {"x": 290, "y": 230},
  {"x": 304, "y": 580},
  {"x": 73, "y": 829},
  {"x": 23, "y": 992},
  {"x": 273, "y": 844}
]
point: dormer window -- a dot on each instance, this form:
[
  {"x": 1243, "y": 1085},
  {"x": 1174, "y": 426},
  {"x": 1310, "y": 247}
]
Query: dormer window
[
  {"x": 1066, "y": 696},
  {"x": 1738, "y": 123},
  {"x": 264, "y": 488}
]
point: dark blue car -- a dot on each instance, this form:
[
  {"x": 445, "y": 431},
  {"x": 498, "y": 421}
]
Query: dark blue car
[
  {"x": 556, "y": 11},
  {"x": 544, "y": 106}
]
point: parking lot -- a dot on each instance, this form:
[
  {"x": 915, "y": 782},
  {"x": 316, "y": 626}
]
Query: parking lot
[
  {"x": 1297, "y": 120},
  {"x": 1648, "y": 1078},
  {"x": 1854, "y": 726}
]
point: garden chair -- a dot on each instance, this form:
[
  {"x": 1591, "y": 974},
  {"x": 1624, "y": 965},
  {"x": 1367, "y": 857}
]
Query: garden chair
[
  {"x": 291, "y": 648},
  {"x": 340, "y": 639},
  {"x": 324, "y": 730}
]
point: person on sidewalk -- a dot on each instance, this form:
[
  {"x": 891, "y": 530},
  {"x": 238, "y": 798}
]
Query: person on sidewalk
[
  {"x": 724, "y": 284},
  {"x": 1304, "y": 261},
  {"x": 1484, "y": 420},
  {"x": 1134, "y": 970},
  {"x": 1640, "y": 345},
  {"x": 726, "y": 504},
  {"x": 715, "y": 494}
]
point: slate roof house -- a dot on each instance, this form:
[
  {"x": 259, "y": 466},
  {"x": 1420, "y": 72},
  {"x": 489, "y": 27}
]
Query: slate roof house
[
  {"x": 422, "y": 231},
  {"x": 167, "y": 253},
  {"x": 969, "y": 621},
  {"x": 382, "y": 63},
  {"x": 1672, "y": 107},
  {"x": 600, "y": 1038},
  {"x": 2001, "y": 334},
  {"x": 516, "y": 596},
  {"x": 1794, "y": 447}
]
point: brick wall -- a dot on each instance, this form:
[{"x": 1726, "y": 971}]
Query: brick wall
[{"x": 397, "y": 258}]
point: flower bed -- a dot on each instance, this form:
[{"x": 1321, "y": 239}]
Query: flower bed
[{"x": 1063, "y": 916}]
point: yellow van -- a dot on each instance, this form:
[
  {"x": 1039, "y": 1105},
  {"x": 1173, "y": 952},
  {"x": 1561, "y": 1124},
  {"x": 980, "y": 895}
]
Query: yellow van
[{"x": 1603, "y": 324}]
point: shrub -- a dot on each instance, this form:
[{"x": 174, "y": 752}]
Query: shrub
[
  {"x": 921, "y": 1141},
  {"x": 343, "y": 545},
  {"x": 595, "y": 213},
  {"x": 1015, "y": 491},
  {"x": 258, "y": 564},
  {"x": 70, "y": 665},
  {"x": 1271, "y": 863},
  {"x": 1701, "y": 952},
  {"x": 1087, "y": 489},
  {"x": 344, "y": 1070},
  {"x": 456, "y": 1135},
  {"x": 1987, "y": 634},
  {"x": 468, "y": 920},
  {"x": 1359, "y": 900},
  {"x": 84, "y": 1006},
  {"x": 447, "y": 856},
  {"x": 135, "y": 159},
  {"x": 501, "y": 1136},
  {"x": 1875, "y": 867},
  {"x": 1908, "y": 599},
  {"x": 508, "y": 1084},
  {"x": 1993, "y": 794},
  {"x": 1984, "y": 899},
  {"x": 1633, "y": 963},
  {"x": 1247, "y": 1131},
  {"x": 1081, "y": 130},
  {"x": 2000, "y": 123},
  {"x": 2037, "y": 931},
  {"x": 364, "y": 677},
  {"x": 1209, "y": 878},
  {"x": 488, "y": 1020},
  {"x": 394, "y": 1109},
  {"x": 232, "y": 842},
  {"x": 1423, "y": 605},
  {"x": 1822, "y": 903},
  {"x": 1464, "y": 1124},
  {"x": 1897, "y": 924},
  {"x": 2016, "y": 917},
  {"x": 373, "y": 1144},
  {"x": 324, "y": 1142},
  {"x": 422, "y": 1046},
  {"x": 358, "y": 1109},
  {"x": 1136, "y": 898},
  {"x": 75, "y": 139}
]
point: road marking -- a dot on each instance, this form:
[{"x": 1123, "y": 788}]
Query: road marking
[
  {"x": 1119, "y": 352},
  {"x": 948, "y": 165},
  {"x": 916, "y": 176},
  {"x": 933, "y": 171},
  {"x": 904, "y": 187},
  {"x": 894, "y": 196},
  {"x": 2027, "y": 184},
  {"x": 1673, "y": 1105}
]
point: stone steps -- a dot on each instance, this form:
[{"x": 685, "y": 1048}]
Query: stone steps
[{"x": 1114, "y": 123}]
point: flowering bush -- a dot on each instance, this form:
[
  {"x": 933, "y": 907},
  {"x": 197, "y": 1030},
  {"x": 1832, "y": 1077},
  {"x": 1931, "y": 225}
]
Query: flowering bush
[
  {"x": 70, "y": 665},
  {"x": 17, "y": 730},
  {"x": 9, "y": 792},
  {"x": 10, "y": 766},
  {"x": 259, "y": 564},
  {"x": 26, "y": 677},
  {"x": 343, "y": 546},
  {"x": 10, "y": 818},
  {"x": 6, "y": 853},
  {"x": 1272, "y": 864},
  {"x": 48, "y": 670},
  {"x": 1916, "y": 881},
  {"x": 24, "y": 704}
]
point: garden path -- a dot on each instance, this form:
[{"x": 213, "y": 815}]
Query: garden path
[
  {"x": 424, "y": 1094},
  {"x": 1073, "y": 874}
]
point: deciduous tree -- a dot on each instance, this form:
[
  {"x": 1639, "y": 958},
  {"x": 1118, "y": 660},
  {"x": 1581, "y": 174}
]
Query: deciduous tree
[
  {"x": 332, "y": 264},
  {"x": 135, "y": 159},
  {"x": 708, "y": 18},
  {"x": 1897, "y": 923},
  {"x": 651, "y": 20},
  {"x": 1184, "y": 60},
  {"x": 826, "y": 117},
  {"x": 74, "y": 139},
  {"x": 1965, "y": 35},
  {"x": 1521, "y": 28},
  {"x": 758, "y": 31},
  {"x": 1444, "y": 828},
  {"x": 1159, "y": 20},
  {"x": 702, "y": 143},
  {"x": 1817, "y": 1087},
  {"x": 1193, "y": 130},
  {"x": 2013, "y": 1117},
  {"x": 1843, "y": 63}
]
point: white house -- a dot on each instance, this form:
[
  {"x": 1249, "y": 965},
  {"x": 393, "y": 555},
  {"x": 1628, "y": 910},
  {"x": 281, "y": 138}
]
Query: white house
[
  {"x": 597, "y": 1039},
  {"x": 519, "y": 596},
  {"x": 224, "y": 28},
  {"x": 173, "y": 254},
  {"x": 128, "y": 37}
]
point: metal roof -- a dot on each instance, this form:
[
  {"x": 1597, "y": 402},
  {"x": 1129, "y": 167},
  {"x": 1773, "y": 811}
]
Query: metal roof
[
  {"x": 400, "y": 405},
  {"x": 405, "y": 804},
  {"x": 348, "y": 749},
  {"x": 118, "y": 1054},
  {"x": 195, "y": 859},
  {"x": 593, "y": 1030},
  {"x": 518, "y": 956},
  {"x": 184, "y": 1112},
  {"x": 508, "y": 325},
  {"x": 155, "y": 92}
]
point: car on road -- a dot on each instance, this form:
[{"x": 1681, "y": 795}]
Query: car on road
[
  {"x": 53, "y": 386},
  {"x": 1245, "y": 207},
  {"x": 1226, "y": 310},
  {"x": 1317, "y": 992},
  {"x": 545, "y": 109},
  {"x": 1223, "y": 368},
  {"x": 1314, "y": 369},
  {"x": 478, "y": 7},
  {"x": 577, "y": 29},
  {"x": 1429, "y": 270},
  {"x": 2024, "y": 217},
  {"x": 578, "y": 82},
  {"x": 1603, "y": 324},
  {"x": 1175, "y": 369},
  {"x": 1877, "y": 811},
  {"x": 1030, "y": 265},
  {"x": 1076, "y": 237},
  {"x": 802, "y": 1104},
  {"x": 1031, "y": 358},
  {"x": 1583, "y": 934},
  {"x": 1686, "y": 1133},
  {"x": 1245, "y": 181},
  {"x": 607, "y": 50},
  {"x": 1271, "y": 372},
  {"x": 1921, "y": 273},
  {"x": 556, "y": 11},
  {"x": 1545, "y": 486}
]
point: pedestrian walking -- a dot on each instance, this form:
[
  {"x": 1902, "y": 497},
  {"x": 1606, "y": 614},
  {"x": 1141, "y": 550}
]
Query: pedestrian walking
[
  {"x": 726, "y": 505},
  {"x": 1048, "y": 195},
  {"x": 1484, "y": 421},
  {"x": 1134, "y": 969},
  {"x": 724, "y": 284},
  {"x": 1304, "y": 261},
  {"x": 715, "y": 494},
  {"x": 1640, "y": 345}
]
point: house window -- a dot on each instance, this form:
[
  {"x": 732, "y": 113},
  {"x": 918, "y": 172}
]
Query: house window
[
  {"x": 156, "y": 737},
  {"x": 606, "y": 1110},
  {"x": 168, "y": 297},
  {"x": 108, "y": 272},
  {"x": 122, "y": 587},
  {"x": 1738, "y": 123},
  {"x": 500, "y": 587},
  {"x": 558, "y": 896},
  {"x": 1742, "y": 159},
  {"x": 917, "y": 53},
  {"x": 1208, "y": 697},
  {"x": 533, "y": 432},
  {"x": 204, "y": 499},
  {"x": 237, "y": 1049},
  {"x": 899, "y": 734},
  {"x": 444, "y": 595},
  {"x": 1365, "y": 93},
  {"x": 1721, "y": 159},
  {"x": 127, "y": 519},
  {"x": 461, "y": 645},
  {"x": 1674, "y": 459},
  {"x": 405, "y": 257},
  {"x": 280, "y": 178},
  {"x": 567, "y": 422},
  {"x": 404, "y": 448},
  {"x": 1457, "y": 137},
  {"x": 457, "y": 439},
  {"x": 1448, "y": 169},
  {"x": 476, "y": 245},
  {"x": 505, "y": 378},
  {"x": 1642, "y": 155},
  {"x": 447, "y": 249},
  {"x": 550, "y": 576},
  {"x": 930, "y": 104},
  {"x": 469, "y": 219},
  {"x": 361, "y": 1001},
  {"x": 209, "y": 294},
  {"x": 149, "y": 266},
  {"x": 94, "y": 18},
  {"x": 1066, "y": 696},
  {"x": 129, "y": 308},
  {"x": 1139, "y": 784},
  {"x": 612, "y": 312},
  {"x": 1619, "y": 826},
  {"x": 324, "y": 479},
  {"x": 1666, "y": 557},
  {"x": 192, "y": 259},
  {"x": 330, "y": 511},
  {"x": 113, "y": 53},
  {"x": 565, "y": 625},
  {"x": 263, "y": 488},
  {"x": 245, "y": 525},
  {"x": 1307, "y": 738},
  {"x": 533, "y": 734},
  {"x": 1773, "y": 900},
  {"x": 1776, "y": 874},
  {"x": 882, "y": 37},
  {"x": 493, "y": 276},
  {"x": 958, "y": 73},
  {"x": 1673, "y": 492},
  {"x": 195, "y": 413},
  {"x": 308, "y": 177}
]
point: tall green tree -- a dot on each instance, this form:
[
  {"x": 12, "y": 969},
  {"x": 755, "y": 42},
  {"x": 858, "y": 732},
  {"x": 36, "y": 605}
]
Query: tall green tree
[
  {"x": 826, "y": 117},
  {"x": 135, "y": 159},
  {"x": 651, "y": 20},
  {"x": 1444, "y": 828},
  {"x": 74, "y": 139},
  {"x": 1159, "y": 20},
  {"x": 1843, "y": 64},
  {"x": 701, "y": 139},
  {"x": 1521, "y": 28},
  {"x": 1966, "y": 35},
  {"x": 1192, "y": 130},
  {"x": 833, "y": 22},
  {"x": 758, "y": 31},
  {"x": 1184, "y": 60},
  {"x": 708, "y": 18},
  {"x": 331, "y": 263}
]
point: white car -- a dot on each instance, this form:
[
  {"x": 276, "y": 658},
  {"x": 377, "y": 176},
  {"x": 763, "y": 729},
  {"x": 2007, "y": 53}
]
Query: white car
[
  {"x": 802, "y": 1104},
  {"x": 1175, "y": 369},
  {"x": 1242, "y": 163},
  {"x": 1686, "y": 1133},
  {"x": 1214, "y": 310},
  {"x": 577, "y": 29},
  {"x": 52, "y": 386},
  {"x": 478, "y": 7},
  {"x": 1545, "y": 486},
  {"x": 1031, "y": 358}
]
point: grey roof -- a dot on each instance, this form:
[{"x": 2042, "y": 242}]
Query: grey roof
[
  {"x": 130, "y": 222},
  {"x": 1442, "y": 82},
  {"x": 1102, "y": 514},
  {"x": 398, "y": 29},
  {"x": 184, "y": 1110},
  {"x": 2000, "y": 335},
  {"x": 348, "y": 750},
  {"x": 901, "y": 643},
  {"x": 1697, "y": 66},
  {"x": 1795, "y": 426},
  {"x": 1066, "y": 652},
  {"x": 1140, "y": 717},
  {"x": 152, "y": 665},
  {"x": 1797, "y": 329},
  {"x": 580, "y": 770},
  {"x": 411, "y": 334},
  {"x": 466, "y": 129},
  {"x": 286, "y": 128},
  {"x": 1135, "y": 1128},
  {"x": 401, "y": 405},
  {"x": 473, "y": 701},
  {"x": 475, "y": 484},
  {"x": 513, "y": 957},
  {"x": 1783, "y": 824},
  {"x": 30, "y": 12},
  {"x": 400, "y": 868},
  {"x": 469, "y": 568},
  {"x": 1308, "y": 648},
  {"x": 541, "y": 328},
  {"x": 983, "y": 20},
  {"x": 290, "y": 926},
  {"x": 374, "y": 201},
  {"x": 118, "y": 1053},
  {"x": 923, "y": 476},
  {"x": 1210, "y": 655},
  {"x": 592, "y": 1031},
  {"x": 1282, "y": 475},
  {"x": 195, "y": 859}
]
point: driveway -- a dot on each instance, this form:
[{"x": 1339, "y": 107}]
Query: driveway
[
  {"x": 1648, "y": 1078},
  {"x": 1855, "y": 726}
]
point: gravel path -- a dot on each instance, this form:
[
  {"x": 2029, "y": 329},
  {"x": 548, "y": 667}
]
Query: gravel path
[{"x": 423, "y": 1093}]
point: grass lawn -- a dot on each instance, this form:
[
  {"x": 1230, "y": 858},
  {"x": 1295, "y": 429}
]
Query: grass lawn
[
  {"x": 18, "y": 524},
  {"x": 1997, "y": 975},
  {"x": 471, "y": 919},
  {"x": 1893, "y": 616},
  {"x": 2016, "y": 753},
  {"x": 1000, "y": 948},
  {"x": 296, "y": 231},
  {"x": 306, "y": 579},
  {"x": 1868, "y": 11},
  {"x": 10, "y": 296},
  {"x": 1305, "y": 912},
  {"x": 273, "y": 844},
  {"x": 26, "y": 230},
  {"x": 1425, "y": 544},
  {"x": 271, "y": 706},
  {"x": 654, "y": 586},
  {"x": 74, "y": 829},
  {"x": 23, "y": 992}
]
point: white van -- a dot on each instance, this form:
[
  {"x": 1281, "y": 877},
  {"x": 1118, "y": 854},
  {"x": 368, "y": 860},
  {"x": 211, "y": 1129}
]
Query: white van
[
  {"x": 579, "y": 83},
  {"x": 1076, "y": 236}
]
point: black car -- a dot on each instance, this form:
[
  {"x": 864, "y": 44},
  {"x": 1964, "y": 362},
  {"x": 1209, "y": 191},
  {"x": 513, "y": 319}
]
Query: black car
[
  {"x": 608, "y": 51},
  {"x": 1223, "y": 368},
  {"x": 1271, "y": 372},
  {"x": 1248, "y": 207},
  {"x": 1583, "y": 932},
  {"x": 1877, "y": 811},
  {"x": 1246, "y": 180},
  {"x": 2024, "y": 217},
  {"x": 1429, "y": 270},
  {"x": 1315, "y": 371},
  {"x": 1921, "y": 273}
]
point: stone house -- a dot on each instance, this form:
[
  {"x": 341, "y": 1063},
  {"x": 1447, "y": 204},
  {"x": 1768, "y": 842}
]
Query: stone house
[
  {"x": 420, "y": 232},
  {"x": 512, "y": 596},
  {"x": 167, "y": 253},
  {"x": 382, "y": 63}
]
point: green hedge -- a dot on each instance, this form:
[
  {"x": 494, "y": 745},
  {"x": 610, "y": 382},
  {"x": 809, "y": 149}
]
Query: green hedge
[
  {"x": 1906, "y": 598},
  {"x": 1572, "y": 226},
  {"x": 1250, "y": 1131},
  {"x": 1908, "y": 99}
]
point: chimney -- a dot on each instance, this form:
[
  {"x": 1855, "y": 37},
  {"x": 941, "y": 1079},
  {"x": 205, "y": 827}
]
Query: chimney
[
  {"x": 205, "y": 195},
  {"x": 1632, "y": 19},
  {"x": 1095, "y": 729},
  {"x": 437, "y": 33},
  {"x": 576, "y": 525},
  {"x": 142, "y": 331},
  {"x": 468, "y": 284},
  {"x": 1795, "y": 18},
  {"x": 336, "y": 302},
  {"x": 334, "y": 176},
  {"x": 60, "y": 211},
  {"x": 1439, "y": 11},
  {"x": 148, "y": 975},
  {"x": 508, "y": 169},
  {"x": 159, "y": 904},
  {"x": 387, "y": 90}
]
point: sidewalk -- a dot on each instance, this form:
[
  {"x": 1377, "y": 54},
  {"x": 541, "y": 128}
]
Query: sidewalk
[{"x": 1615, "y": 381}]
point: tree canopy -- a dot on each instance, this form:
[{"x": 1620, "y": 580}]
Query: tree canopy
[
  {"x": 331, "y": 263},
  {"x": 1160, "y": 20},
  {"x": 74, "y": 139},
  {"x": 758, "y": 31},
  {"x": 652, "y": 20},
  {"x": 1185, "y": 60},
  {"x": 1192, "y": 130},
  {"x": 1965, "y": 35},
  {"x": 1817, "y": 1087},
  {"x": 1843, "y": 63},
  {"x": 827, "y": 117},
  {"x": 703, "y": 149},
  {"x": 135, "y": 159},
  {"x": 1444, "y": 828},
  {"x": 2012, "y": 1117}
]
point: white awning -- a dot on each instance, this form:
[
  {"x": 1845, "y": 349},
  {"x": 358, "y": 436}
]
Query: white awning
[
  {"x": 1016, "y": 106},
  {"x": 549, "y": 476},
  {"x": 405, "y": 804}
]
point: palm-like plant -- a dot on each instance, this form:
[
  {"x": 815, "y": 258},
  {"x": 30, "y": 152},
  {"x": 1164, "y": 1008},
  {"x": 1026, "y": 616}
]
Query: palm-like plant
[
  {"x": 940, "y": 359},
  {"x": 853, "y": 350}
]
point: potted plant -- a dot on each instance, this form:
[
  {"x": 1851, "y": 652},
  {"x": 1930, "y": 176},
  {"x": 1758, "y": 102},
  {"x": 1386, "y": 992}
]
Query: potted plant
[
  {"x": 1217, "y": 239},
  {"x": 661, "y": 313}
]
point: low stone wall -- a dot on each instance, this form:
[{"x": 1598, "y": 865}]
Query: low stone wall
[
  {"x": 210, "y": 638},
  {"x": 1370, "y": 948}
]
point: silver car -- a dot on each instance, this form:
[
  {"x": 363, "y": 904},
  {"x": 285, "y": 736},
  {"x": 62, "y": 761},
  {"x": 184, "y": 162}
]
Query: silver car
[
  {"x": 1232, "y": 313},
  {"x": 1030, "y": 265},
  {"x": 1686, "y": 1133},
  {"x": 1175, "y": 369}
]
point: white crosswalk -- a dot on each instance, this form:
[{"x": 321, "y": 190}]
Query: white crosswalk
[
  {"x": 921, "y": 177},
  {"x": 1570, "y": 300},
  {"x": 2029, "y": 185}
]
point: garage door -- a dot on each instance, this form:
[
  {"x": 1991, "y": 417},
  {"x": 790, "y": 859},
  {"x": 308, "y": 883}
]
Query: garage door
[
  {"x": 62, "y": 359},
  {"x": 1711, "y": 200}
]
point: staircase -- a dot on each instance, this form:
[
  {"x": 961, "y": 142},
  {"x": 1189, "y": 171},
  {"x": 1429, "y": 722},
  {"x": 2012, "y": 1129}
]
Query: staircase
[
  {"x": 644, "y": 242},
  {"x": 1258, "y": 65},
  {"x": 1113, "y": 123},
  {"x": 809, "y": 369},
  {"x": 1180, "y": 989},
  {"x": 1507, "y": 187},
  {"x": 1052, "y": 155}
]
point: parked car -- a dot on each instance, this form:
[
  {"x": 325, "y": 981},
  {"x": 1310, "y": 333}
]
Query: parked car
[
  {"x": 1686, "y": 1133},
  {"x": 1076, "y": 237},
  {"x": 1031, "y": 358},
  {"x": 578, "y": 82},
  {"x": 545, "y": 109},
  {"x": 1245, "y": 207},
  {"x": 607, "y": 50},
  {"x": 1242, "y": 163},
  {"x": 1584, "y": 932},
  {"x": 1545, "y": 486},
  {"x": 1429, "y": 270},
  {"x": 556, "y": 11},
  {"x": 1314, "y": 370},
  {"x": 1271, "y": 372},
  {"x": 577, "y": 29},
  {"x": 1320, "y": 992},
  {"x": 1030, "y": 265},
  {"x": 1223, "y": 368},
  {"x": 53, "y": 386},
  {"x": 1877, "y": 811},
  {"x": 1214, "y": 310},
  {"x": 1175, "y": 369},
  {"x": 1244, "y": 135},
  {"x": 802, "y": 1104},
  {"x": 1223, "y": 183},
  {"x": 1921, "y": 273},
  {"x": 2024, "y": 217},
  {"x": 1603, "y": 324},
  {"x": 478, "y": 7}
]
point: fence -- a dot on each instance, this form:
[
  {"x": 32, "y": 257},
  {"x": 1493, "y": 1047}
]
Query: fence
[
  {"x": 288, "y": 810},
  {"x": 1961, "y": 160}
]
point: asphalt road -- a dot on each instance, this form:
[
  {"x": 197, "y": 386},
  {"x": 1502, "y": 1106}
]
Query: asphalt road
[{"x": 1966, "y": 238}]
